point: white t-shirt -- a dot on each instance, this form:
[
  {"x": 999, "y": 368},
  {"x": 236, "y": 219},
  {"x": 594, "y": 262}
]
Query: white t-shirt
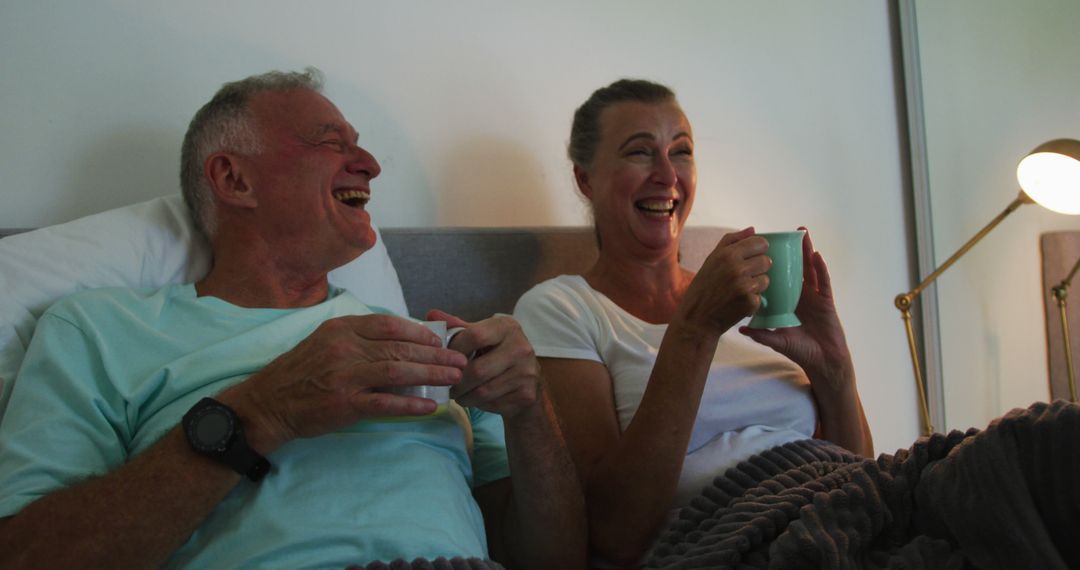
[{"x": 754, "y": 398}]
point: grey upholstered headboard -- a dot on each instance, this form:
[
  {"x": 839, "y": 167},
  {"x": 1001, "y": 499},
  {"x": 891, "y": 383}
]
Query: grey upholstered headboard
[{"x": 476, "y": 272}]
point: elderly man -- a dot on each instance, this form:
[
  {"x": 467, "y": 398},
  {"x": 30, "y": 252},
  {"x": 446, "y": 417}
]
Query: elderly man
[{"x": 237, "y": 422}]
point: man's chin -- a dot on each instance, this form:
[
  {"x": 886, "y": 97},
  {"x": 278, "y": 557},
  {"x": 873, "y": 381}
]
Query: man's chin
[{"x": 360, "y": 245}]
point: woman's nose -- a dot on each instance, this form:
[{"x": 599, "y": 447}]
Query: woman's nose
[{"x": 663, "y": 171}]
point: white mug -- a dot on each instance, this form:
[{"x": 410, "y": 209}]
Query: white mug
[{"x": 441, "y": 394}]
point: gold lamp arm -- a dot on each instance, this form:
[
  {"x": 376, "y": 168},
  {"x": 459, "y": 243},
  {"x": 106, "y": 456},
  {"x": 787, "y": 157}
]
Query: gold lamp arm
[
  {"x": 1061, "y": 291},
  {"x": 904, "y": 301}
]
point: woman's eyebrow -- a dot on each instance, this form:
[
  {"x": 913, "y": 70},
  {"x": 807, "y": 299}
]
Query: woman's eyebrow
[
  {"x": 634, "y": 137},
  {"x": 648, "y": 136}
]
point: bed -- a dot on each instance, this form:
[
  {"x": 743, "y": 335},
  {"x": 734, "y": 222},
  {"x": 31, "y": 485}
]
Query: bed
[{"x": 1004, "y": 497}]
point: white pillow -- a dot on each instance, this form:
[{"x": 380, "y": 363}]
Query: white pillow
[{"x": 149, "y": 244}]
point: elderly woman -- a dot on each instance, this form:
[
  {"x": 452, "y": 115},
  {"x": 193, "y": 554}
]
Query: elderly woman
[{"x": 657, "y": 390}]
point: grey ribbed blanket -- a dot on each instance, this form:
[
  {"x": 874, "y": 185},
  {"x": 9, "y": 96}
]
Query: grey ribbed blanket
[
  {"x": 437, "y": 564},
  {"x": 1007, "y": 497}
]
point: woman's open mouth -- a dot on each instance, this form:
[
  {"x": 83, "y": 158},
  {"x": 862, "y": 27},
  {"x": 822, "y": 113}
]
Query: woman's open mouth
[{"x": 657, "y": 208}]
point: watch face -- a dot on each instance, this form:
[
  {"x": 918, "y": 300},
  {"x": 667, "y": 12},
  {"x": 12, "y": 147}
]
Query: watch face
[{"x": 212, "y": 429}]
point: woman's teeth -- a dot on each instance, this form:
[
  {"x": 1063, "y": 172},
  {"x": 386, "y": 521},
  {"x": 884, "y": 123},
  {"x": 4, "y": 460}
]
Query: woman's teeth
[
  {"x": 656, "y": 208},
  {"x": 352, "y": 198}
]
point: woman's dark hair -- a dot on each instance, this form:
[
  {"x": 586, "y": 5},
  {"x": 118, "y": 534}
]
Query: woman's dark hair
[{"x": 585, "y": 132}]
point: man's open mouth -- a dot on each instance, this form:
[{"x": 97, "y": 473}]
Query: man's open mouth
[
  {"x": 657, "y": 208},
  {"x": 352, "y": 198}
]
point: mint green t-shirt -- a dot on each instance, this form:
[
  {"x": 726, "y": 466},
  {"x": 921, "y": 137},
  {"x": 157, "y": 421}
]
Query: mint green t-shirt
[{"x": 110, "y": 371}]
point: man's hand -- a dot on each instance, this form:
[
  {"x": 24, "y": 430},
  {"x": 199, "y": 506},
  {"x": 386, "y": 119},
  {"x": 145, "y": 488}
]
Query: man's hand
[
  {"x": 537, "y": 521},
  {"x": 504, "y": 376},
  {"x": 328, "y": 380}
]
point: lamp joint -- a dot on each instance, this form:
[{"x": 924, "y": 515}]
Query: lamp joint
[{"x": 1060, "y": 291}]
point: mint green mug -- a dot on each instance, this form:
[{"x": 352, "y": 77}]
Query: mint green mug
[{"x": 780, "y": 298}]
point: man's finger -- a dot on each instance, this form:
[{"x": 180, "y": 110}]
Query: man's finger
[
  {"x": 394, "y": 373},
  {"x": 484, "y": 334},
  {"x": 452, "y": 321},
  {"x": 492, "y": 391},
  {"x": 413, "y": 352},
  {"x": 385, "y": 327},
  {"x": 381, "y": 404}
]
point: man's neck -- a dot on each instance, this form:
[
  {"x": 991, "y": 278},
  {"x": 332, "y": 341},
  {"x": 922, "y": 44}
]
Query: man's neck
[{"x": 252, "y": 276}]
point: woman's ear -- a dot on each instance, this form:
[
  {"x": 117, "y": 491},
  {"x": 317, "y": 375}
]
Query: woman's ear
[
  {"x": 227, "y": 180},
  {"x": 581, "y": 177}
]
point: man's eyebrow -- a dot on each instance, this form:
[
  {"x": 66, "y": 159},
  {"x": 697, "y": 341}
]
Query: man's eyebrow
[
  {"x": 335, "y": 128},
  {"x": 648, "y": 136}
]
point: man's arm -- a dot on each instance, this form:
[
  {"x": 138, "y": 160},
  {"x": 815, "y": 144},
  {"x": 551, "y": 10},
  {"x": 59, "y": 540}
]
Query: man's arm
[
  {"x": 138, "y": 514},
  {"x": 538, "y": 519},
  {"x": 535, "y": 519},
  {"x": 133, "y": 517}
]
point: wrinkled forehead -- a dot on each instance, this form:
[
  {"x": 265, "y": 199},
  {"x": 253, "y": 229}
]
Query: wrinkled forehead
[
  {"x": 663, "y": 120},
  {"x": 299, "y": 112}
]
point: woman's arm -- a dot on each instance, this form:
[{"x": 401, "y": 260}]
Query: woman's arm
[{"x": 630, "y": 477}]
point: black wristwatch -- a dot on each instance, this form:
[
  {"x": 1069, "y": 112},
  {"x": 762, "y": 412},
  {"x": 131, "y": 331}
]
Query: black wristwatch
[{"x": 213, "y": 429}]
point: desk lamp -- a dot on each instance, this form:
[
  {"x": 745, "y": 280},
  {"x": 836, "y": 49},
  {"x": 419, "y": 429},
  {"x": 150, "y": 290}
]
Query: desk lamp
[
  {"x": 1060, "y": 291},
  {"x": 1049, "y": 176}
]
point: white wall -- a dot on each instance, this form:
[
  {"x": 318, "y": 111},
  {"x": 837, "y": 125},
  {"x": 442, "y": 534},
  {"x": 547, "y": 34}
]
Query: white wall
[
  {"x": 999, "y": 78},
  {"x": 468, "y": 104}
]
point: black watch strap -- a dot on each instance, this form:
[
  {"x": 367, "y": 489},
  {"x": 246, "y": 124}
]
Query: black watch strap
[
  {"x": 243, "y": 459},
  {"x": 213, "y": 429}
]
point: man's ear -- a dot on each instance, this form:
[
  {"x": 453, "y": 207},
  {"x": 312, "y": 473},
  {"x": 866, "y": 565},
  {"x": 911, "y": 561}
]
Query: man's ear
[
  {"x": 581, "y": 177},
  {"x": 228, "y": 182}
]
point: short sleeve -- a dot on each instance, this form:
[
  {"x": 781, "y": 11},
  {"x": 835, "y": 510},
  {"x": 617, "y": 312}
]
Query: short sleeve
[
  {"x": 64, "y": 423},
  {"x": 558, "y": 323},
  {"x": 489, "y": 459}
]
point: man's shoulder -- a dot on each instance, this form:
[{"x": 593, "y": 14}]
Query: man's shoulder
[{"x": 90, "y": 301}]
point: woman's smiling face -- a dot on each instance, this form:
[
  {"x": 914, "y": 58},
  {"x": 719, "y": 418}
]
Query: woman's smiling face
[{"x": 642, "y": 179}]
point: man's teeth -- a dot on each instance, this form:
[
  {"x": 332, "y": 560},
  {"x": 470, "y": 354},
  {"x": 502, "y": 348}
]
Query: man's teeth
[{"x": 352, "y": 198}]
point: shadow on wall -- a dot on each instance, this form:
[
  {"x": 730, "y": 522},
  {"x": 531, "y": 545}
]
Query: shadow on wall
[
  {"x": 490, "y": 181},
  {"x": 128, "y": 165}
]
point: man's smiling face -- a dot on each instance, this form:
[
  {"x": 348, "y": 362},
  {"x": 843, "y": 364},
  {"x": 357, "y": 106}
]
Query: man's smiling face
[{"x": 311, "y": 180}]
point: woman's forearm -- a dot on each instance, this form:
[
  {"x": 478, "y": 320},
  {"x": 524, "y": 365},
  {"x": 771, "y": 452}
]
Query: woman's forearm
[
  {"x": 841, "y": 415},
  {"x": 629, "y": 490}
]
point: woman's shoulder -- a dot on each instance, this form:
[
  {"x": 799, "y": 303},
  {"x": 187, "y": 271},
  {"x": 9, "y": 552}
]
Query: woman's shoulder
[
  {"x": 558, "y": 288},
  {"x": 565, "y": 294}
]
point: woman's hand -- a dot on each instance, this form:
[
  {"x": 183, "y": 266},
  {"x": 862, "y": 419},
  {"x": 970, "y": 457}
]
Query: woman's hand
[
  {"x": 728, "y": 286},
  {"x": 819, "y": 345},
  {"x": 820, "y": 348}
]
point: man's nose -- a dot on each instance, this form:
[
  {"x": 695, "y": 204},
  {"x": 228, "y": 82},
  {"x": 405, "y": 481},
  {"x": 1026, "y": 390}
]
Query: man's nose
[{"x": 363, "y": 162}]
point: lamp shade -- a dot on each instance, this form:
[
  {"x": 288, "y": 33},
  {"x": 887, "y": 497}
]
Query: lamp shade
[{"x": 1050, "y": 175}]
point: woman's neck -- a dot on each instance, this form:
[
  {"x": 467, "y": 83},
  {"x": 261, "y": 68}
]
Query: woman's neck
[{"x": 649, "y": 290}]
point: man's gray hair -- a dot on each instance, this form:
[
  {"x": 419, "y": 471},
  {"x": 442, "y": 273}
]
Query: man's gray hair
[{"x": 225, "y": 124}]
